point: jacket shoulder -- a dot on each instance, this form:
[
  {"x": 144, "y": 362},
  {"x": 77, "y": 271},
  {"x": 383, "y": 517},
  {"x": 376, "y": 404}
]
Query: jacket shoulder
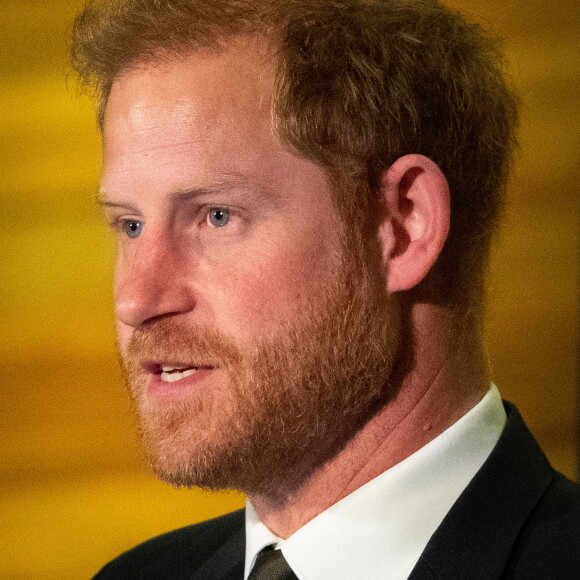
[
  {"x": 518, "y": 519},
  {"x": 179, "y": 553},
  {"x": 549, "y": 544}
]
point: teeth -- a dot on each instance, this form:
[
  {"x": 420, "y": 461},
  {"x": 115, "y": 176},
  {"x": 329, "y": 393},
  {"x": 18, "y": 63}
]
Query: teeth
[
  {"x": 168, "y": 369},
  {"x": 172, "y": 374}
]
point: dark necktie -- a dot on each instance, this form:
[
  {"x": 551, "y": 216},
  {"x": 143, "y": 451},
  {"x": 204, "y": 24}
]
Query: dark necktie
[{"x": 271, "y": 565}]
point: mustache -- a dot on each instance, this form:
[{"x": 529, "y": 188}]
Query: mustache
[{"x": 176, "y": 342}]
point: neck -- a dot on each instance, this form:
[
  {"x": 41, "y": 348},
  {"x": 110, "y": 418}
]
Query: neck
[{"x": 448, "y": 377}]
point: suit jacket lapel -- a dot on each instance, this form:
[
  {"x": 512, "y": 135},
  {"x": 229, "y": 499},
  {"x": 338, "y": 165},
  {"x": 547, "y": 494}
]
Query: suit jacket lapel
[
  {"x": 227, "y": 563},
  {"x": 477, "y": 536}
]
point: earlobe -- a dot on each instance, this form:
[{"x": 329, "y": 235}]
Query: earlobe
[{"x": 416, "y": 197}]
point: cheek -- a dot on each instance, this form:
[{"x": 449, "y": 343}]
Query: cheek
[
  {"x": 269, "y": 289},
  {"x": 123, "y": 331},
  {"x": 123, "y": 336}
]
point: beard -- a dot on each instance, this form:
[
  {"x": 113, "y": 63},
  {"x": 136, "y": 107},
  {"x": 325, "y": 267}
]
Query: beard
[{"x": 288, "y": 402}]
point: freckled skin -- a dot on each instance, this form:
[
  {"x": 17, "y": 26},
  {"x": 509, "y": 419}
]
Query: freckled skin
[{"x": 192, "y": 123}]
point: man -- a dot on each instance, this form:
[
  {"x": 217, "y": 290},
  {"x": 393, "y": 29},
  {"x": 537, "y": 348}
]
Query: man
[{"x": 304, "y": 194}]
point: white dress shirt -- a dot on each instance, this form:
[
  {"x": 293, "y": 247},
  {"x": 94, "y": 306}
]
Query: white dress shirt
[{"x": 380, "y": 530}]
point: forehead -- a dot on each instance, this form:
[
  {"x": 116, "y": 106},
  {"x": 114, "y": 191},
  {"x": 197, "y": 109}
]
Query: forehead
[
  {"x": 243, "y": 65},
  {"x": 208, "y": 105},
  {"x": 184, "y": 122},
  {"x": 201, "y": 85}
]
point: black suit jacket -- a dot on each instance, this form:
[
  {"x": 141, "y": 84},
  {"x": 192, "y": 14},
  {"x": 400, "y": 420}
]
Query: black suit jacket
[{"x": 517, "y": 519}]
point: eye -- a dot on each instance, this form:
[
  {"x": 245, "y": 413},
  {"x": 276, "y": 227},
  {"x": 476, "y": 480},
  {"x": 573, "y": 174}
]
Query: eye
[
  {"x": 219, "y": 217},
  {"x": 132, "y": 228}
]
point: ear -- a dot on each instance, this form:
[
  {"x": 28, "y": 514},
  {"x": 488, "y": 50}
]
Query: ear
[{"x": 416, "y": 197}]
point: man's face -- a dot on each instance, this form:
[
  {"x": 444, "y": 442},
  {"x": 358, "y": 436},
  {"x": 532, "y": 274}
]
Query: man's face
[{"x": 244, "y": 321}]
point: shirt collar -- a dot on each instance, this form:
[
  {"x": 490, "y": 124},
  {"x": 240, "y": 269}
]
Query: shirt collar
[{"x": 380, "y": 530}]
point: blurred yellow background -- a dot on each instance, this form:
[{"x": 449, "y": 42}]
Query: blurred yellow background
[{"x": 74, "y": 491}]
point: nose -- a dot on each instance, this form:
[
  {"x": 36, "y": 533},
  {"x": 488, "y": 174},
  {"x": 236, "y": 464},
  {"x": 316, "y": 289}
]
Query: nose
[{"x": 151, "y": 282}]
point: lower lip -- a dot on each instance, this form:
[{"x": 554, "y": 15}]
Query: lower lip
[{"x": 177, "y": 389}]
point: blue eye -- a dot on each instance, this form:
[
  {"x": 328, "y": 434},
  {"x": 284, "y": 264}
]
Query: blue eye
[
  {"x": 132, "y": 228},
  {"x": 219, "y": 217}
]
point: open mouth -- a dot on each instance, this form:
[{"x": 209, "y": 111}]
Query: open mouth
[{"x": 174, "y": 373}]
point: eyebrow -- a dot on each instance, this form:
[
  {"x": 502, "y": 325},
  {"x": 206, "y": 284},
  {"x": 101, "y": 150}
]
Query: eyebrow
[
  {"x": 222, "y": 183},
  {"x": 102, "y": 201}
]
